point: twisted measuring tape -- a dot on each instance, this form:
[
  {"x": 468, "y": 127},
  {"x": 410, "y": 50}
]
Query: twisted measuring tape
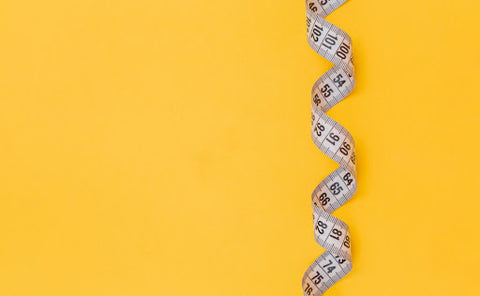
[{"x": 336, "y": 142}]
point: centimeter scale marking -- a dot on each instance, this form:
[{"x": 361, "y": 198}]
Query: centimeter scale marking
[{"x": 336, "y": 142}]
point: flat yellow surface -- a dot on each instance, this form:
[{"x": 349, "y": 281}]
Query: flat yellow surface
[{"x": 163, "y": 147}]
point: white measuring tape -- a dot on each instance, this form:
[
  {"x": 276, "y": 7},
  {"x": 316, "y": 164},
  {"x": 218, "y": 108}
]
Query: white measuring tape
[{"x": 336, "y": 142}]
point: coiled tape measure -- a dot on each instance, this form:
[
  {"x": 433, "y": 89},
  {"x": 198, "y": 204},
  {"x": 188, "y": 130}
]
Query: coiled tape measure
[{"x": 335, "y": 141}]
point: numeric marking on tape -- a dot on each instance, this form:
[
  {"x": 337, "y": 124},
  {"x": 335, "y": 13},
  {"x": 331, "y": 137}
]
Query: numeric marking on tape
[{"x": 336, "y": 142}]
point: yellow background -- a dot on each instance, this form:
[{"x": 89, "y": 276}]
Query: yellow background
[{"x": 163, "y": 147}]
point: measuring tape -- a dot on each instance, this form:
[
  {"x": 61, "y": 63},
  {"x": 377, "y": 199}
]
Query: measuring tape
[{"x": 336, "y": 142}]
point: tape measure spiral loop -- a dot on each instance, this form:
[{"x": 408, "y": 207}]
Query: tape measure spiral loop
[{"x": 336, "y": 142}]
